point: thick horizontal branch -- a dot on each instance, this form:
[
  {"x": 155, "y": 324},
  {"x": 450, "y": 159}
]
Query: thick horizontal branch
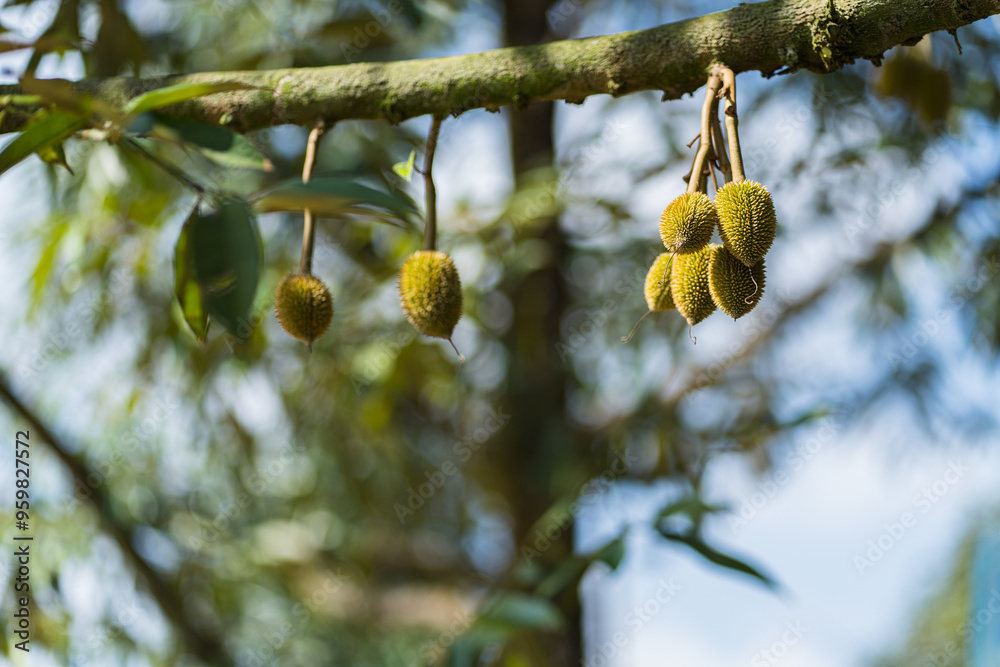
[{"x": 779, "y": 35}]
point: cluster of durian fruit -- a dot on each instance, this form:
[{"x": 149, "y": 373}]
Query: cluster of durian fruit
[{"x": 696, "y": 276}]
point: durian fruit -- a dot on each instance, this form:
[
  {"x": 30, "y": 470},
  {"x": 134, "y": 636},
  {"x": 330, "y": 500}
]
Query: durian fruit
[
  {"x": 656, "y": 290},
  {"x": 431, "y": 293},
  {"x": 689, "y": 285},
  {"x": 304, "y": 306},
  {"x": 746, "y": 219},
  {"x": 687, "y": 223},
  {"x": 735, "y": 287}
]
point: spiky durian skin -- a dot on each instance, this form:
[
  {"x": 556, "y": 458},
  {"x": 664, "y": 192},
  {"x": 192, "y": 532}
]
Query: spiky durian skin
[
  {"x": 731, "y": 282},
  {"x": 747, "y": 221},
  {"x": 687, "y": 223},
  {"x": 431, "y": 293},
  {"x": 304, "y": 306},
  {"x": 657, "y": 290},
  {"x": 689, "y": 285}
]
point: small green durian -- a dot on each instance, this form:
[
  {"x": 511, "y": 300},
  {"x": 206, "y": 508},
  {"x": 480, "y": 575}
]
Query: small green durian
[
  {"x": 747, "y": 222},
  {"x": 689, "y": 285},
  {"x": 735, "y": 287},
  {"x": 304, "y": 306},
  {"x": 687, "y": 223},
  {"x": 656, "y": 291},
  {"x": 430, "y": 293}
]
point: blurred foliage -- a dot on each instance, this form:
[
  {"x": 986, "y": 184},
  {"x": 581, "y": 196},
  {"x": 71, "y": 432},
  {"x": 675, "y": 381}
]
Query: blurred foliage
[{"x": 359, "y": 505}]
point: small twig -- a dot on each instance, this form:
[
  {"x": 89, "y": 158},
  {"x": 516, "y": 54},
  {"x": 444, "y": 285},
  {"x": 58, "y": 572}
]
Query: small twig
[
  {"x": 199, "y": 642},
  {"x": 430, "y": 194},
  {"x": 696, "y": 137},
  {"x": 954, "y": 33},
  {"x": 695, "y": 183},
  {"x": 309, "y": 228},
  {"x": 165, "y": 166},
  {"x": 732, "y": 120}
]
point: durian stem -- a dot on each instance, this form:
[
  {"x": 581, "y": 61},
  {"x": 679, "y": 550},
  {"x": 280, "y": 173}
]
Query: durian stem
[
  {"x": 705, "y": 138},
  {"x": 720, "y": 149},
  {"x": 670, "y": 262},
  {"x": 642, "y": 319},
  {"x": 732, "y": 121},
  {"x": 430, "y": 193},
  {"x": 756, "y": 288},
  {"x": 309, "y": 228},
  {"x": 461, "y": 359}
]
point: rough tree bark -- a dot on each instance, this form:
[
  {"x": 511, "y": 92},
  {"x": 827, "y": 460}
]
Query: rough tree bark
[{"x": 776, "y": 36}]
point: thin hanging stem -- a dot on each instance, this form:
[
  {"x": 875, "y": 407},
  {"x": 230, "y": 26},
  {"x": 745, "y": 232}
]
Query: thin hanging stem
[
  {"x": 309, "y": 228},
  {"x": 430, "y": 194},
  {"x": 732, "y": 121},
  {"x": 642, "y": 319},
  {"x": 165, "y": 166},
  {"x": 720, "y": 149},
  {"x": 705, "y": 138}
]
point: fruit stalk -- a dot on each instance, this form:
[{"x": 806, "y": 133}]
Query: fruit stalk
[
  {"x": 705, "y": 138},
  {"x": 309, "y": 228},
  {"x": 430, "y": 193},
  {"x": 732, "y": 120}
]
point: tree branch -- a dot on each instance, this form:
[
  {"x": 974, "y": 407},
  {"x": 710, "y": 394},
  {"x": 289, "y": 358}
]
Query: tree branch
[
  {"x": 198, "y": 642},
  {"x": 779, "y": 35}
]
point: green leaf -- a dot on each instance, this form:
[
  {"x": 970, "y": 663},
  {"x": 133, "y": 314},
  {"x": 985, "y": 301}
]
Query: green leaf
[
  {"x": 46, "y": 260},
  {"x": 46, "y": 127},
  {"x": 215, "y": 142},
  {"x": 185, "y": 286},
  {"x": 717, "y": 557},
  {"x": 612, "y": 553},
  {"x": 182, "y": 92},
  {"x": 520, "y": 611},
  {"x": 55, "y": 154},
  {"x": 227, "y": 256},
  {"x": 333, "y": 196},
  {"x": 405, "y": 169},
  {"x": 694, "y": 507}
]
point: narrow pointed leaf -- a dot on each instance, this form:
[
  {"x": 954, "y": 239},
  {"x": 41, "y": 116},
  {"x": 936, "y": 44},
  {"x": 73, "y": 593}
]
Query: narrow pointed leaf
[
  {"x": 227, "y": 256},
  {"x": 332, "y": 196},
  {"x": 405, "y": 169},
  {"x": 717, "y": 557},
  {"x": 186, "y": 288},
  {"x": 46, "y": 127},
  {"x": 182, "y": 92}
]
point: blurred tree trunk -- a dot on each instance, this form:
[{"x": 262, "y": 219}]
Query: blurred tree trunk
[{"x": 539, "y": 436}]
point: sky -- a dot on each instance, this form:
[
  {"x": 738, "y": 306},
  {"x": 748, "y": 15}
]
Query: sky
[{"x": 811, "y": 522}]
